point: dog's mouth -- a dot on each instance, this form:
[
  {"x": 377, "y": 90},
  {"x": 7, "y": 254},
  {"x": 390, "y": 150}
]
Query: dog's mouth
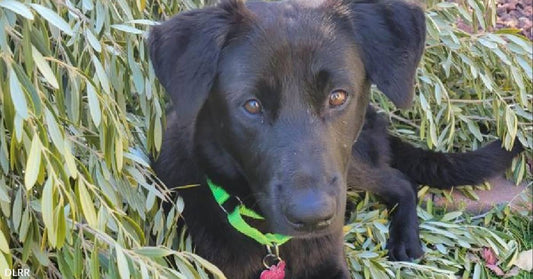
[
  {"x": 306, "y": 232},
  {"x": 294, "y": 230},
  {"x": 320, "y": 225},
  {"x": 300, "y": 230}
]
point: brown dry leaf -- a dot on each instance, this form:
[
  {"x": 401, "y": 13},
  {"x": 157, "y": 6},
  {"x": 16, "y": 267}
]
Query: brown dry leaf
[
  {"x": 513, "y": 272},
  {"x": 496, "y": 269},
  {"x": 490, "y": 261},
  {"x": 525, "y": 260}
]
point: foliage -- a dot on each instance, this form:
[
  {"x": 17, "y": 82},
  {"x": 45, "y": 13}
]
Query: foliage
[
  {"x": 472, "y": 87},
  {"x": 80, "y": 109},
  {"x": 453, "y": 242}
]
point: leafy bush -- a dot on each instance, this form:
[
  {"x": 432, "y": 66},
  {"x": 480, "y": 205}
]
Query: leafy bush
[{"x": 80, "y": 109}]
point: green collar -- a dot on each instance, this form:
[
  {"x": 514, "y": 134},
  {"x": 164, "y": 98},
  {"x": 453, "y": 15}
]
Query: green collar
[{"x": 236, "y": 220}]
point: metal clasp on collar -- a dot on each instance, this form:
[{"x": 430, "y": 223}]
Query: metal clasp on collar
[{"x": 272, "y": 257}]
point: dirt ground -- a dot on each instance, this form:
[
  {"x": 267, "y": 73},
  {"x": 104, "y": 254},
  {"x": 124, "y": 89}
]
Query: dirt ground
[{"x": 516, "y": 14}]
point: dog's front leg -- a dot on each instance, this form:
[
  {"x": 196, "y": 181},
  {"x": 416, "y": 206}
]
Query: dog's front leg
[{"x": 399, "y": 194}]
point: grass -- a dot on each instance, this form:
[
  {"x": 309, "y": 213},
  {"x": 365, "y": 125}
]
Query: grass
[{"x": 453, "y": 241}]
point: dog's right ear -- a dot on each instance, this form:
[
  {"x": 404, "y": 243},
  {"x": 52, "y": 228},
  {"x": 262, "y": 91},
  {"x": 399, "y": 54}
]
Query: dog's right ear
[
  {"x": 391, "y": 37},
  {"x": 185, "y": 49}
]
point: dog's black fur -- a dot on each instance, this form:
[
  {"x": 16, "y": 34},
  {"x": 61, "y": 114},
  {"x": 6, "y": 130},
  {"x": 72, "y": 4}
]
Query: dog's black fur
[{"x": 293, "y": 161}]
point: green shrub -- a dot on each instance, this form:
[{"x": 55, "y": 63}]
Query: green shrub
[{"x": 80, "y": 109}]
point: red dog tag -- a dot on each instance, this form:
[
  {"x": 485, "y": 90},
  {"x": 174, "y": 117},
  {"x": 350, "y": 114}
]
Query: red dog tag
[{"x": 274, "y": 272}]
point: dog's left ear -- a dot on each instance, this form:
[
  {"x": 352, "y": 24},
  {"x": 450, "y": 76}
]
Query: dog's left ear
[
  {"x": 185, "y": 49},
  {"x": 391, "y": 37}
]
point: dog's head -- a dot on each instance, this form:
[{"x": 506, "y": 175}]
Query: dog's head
[{"x": 277, "y": 92}]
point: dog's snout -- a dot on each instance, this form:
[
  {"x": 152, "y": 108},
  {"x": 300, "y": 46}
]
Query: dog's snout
[{"x": 310, "y": 210}]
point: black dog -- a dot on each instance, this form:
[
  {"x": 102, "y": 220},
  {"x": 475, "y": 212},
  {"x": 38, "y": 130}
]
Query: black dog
[{"x": 269, "y": 98}]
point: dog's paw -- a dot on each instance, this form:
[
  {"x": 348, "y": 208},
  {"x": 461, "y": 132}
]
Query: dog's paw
[{"x": 404, "y": 248}]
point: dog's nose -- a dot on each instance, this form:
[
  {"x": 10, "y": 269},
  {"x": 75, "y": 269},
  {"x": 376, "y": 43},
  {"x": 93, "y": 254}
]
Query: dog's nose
[{"x": 310, "y": 210}]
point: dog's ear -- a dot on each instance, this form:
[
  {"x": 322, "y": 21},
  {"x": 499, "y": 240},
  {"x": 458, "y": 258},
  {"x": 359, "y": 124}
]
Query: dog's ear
[
  {"x": 391, "y": 37},
  {"x": 185, "y": 49}
]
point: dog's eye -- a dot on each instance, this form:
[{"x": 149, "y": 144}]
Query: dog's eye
[
  {"x": 337, "y": 98},
  {"x": 253, "y": 106}
]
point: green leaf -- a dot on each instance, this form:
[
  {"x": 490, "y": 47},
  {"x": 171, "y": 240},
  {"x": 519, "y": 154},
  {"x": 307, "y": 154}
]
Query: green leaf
[
  {"x": 93, "y": 41},
  {"x": 127, "y": 28},
  {"x": 524, "y": 43},
  {"x": 143, "y": 22},
  {"x": 526, "y": 66},
  {"x": 368, "y": 255},
  {"x": 61, "y": 226},
  {"x": 95, "y": 264},
  {"x": 4, "y": 266},
  {"x": 19, "y": 128},
  {"x": 517, "y": 77},
  {"x": 511, "y": 123},
  {"x": 53, "y": 129},
  {"x": 433, "y": 139},
  {"x": 94, "y": 105},
  {"x": 101, "y": 74},
  {"x": 47, "y": 208},
  {"x": 209, "y": 266},
  {"x": 477, "y": 271},
  {"x": 153, "y": 252},
  {"x": 474, "y": 129},
  {"x": 122, "y": 263},
  {"x": 24, "y": 224},
  {"x": 144, "y": 272},
  {"x": 4, "y": 244},
  {"x": 119, "y": 154},
  {"x": 17, "y": 95},
  {"x": 503, "y": 57},
  {"x": 87, "y": 205},
  {"x": 44, "y": 68},
  {"x": 70, "y": 161},
  {"x": 33, "y": 163},
  {"x": 53, "y": 18},
  {"x": 487, "y": 81},
  {"x": 451, "y": 216},
  {"x": 158, "y": 135},
  {"x": 511, "y": 30},
  {"x": 17, "y": 7},
  {"x": 17, "y": 209},
  {"x": 487, "y": 43},
  {"x": 180, "y": 204}
]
